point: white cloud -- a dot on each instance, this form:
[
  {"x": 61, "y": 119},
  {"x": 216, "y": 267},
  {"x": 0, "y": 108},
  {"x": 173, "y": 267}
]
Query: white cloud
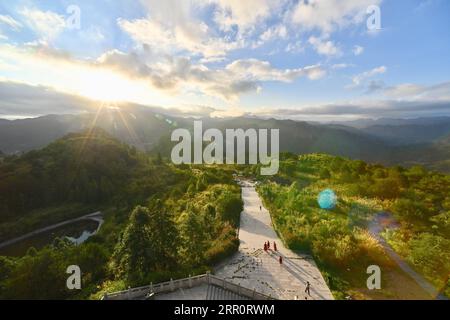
[
  {"x": 358, "y": 50},
  {"x": 190, "y": 36},
  {"x": 358, "y": 109},
  {"x": 339, "y": 66},
  {"x": 276, "y": 32},
  {"x": 323, "y": 46},
  {"x": 180, "y": 73},
  {"x": 360, "y": 78},
  {"x": 46, "y": 24},
  {"x": 257, "y": 70},
  {"x": 295, "y": 47},
  {"x": 11, "y": 22},
  {"x": 243, "y": 14},
  {"x": 138, "y": 77},
  {"x": 410, "y": 91},
  {"x": 328, "y": 15}
]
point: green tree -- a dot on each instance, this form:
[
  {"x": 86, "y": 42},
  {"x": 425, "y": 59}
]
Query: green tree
[{"x": 192, "y": 238}]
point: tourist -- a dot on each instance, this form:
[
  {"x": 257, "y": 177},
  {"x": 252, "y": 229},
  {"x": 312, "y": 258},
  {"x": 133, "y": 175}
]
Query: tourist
[
  {"x": 265, "y": 246},
  {"x": 268, "y": 245},
  {"x": 281, "y": 260},
  {"x": 260, "y": 208},
  {"x": 308, "y": 288},
  {"x": 275, "y": 246}
]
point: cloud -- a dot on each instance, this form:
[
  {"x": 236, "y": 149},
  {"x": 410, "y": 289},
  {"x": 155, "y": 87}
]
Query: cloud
[
  {"x": 358, "y": 50},
  {"x": 262, "y": 71},
  {"x": 339, "y": 66},
  {"x": 243, "y": 14},
  {"x": 46, "y": 24},
  {"x": 192, "y": 37},
  {"x": 295, "y": 47},
  {"x": 324, "y": 46},
  {"x": 236, "y": 78},
  {"x": 404, "y": 101},
  {"x": 19, "y": 99},
  {"x": 359, "y": 79},
  {"x": 276, "y": 32},
  {"x": 139, "y": 77},
  {"x": 415, "y": 92},
  {"x": 327, "y": 16},
  {"x": 367, "y": 109},
  {"x": 10, "y": 22}
]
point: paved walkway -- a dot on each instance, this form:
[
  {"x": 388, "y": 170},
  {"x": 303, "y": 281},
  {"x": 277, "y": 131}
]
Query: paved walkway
[{"x": 254, "y": 268}]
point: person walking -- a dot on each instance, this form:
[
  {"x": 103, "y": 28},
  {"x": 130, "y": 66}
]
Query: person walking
[
  {"x": 268, "y": 245},
  {"x": 281, "y": 260},
  {"x": 265, "y": 246},
  {"x": 275, "y": 246},
  {"x": 308, "y": 288}
]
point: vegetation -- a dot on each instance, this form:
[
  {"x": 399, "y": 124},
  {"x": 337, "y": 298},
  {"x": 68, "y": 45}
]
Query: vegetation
[
  {"x": 164, "y": 221},
  {"x": 161, "y": 221},
  {"x": 338, "y": 239}
]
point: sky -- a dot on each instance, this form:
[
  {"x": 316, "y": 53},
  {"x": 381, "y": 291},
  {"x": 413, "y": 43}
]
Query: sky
[{"x": 316, "y": 60}]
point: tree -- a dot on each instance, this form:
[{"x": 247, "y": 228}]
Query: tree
[
  {"x": 131, "y": 255},
  {"x": 148, "y": 244},
  {"x": 193, "y": 239}
]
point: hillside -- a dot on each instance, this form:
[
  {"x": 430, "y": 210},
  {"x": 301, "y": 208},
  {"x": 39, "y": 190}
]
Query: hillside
[
  {"x": 160, "y": 221},
  {"x": 338, "y": 238},
  {"x": 435, "y": 156}
]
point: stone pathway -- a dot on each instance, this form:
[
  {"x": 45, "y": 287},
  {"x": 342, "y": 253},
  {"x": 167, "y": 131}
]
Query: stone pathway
[{"x": 254, "y": 268}]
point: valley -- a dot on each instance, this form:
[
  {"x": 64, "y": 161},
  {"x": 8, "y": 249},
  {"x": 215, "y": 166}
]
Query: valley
[{"x": 194, "y": 214}]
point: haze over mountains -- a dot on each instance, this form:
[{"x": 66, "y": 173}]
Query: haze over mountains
[{"x": 408, "y": 142}]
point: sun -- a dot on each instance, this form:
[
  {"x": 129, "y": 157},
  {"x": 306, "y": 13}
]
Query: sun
[{"x": 107, "y": 86}]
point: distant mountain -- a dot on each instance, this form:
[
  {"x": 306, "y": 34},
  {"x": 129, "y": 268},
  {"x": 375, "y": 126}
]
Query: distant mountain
[
  {"x": 435, "y": 156},
  {"x": 401, "y": 131},
  {"x": 409, "y": 134},
  {"x": 149, "y": 130},
  {"x": 365, "y": 123},
  {"x": 303, "y": 138},
  {"x": 23, "y": 135},
  {"x": 136, "y": 126}
]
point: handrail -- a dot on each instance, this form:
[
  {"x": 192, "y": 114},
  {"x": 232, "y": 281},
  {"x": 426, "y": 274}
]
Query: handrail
[{"x": 185, "y": 283}]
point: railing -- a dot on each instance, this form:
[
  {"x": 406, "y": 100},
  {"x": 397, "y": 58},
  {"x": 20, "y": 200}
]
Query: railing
[{"x": 186, "y": 283}]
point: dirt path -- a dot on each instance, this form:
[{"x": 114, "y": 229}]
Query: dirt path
[
  {"x": 375, "y": 229},
  {"x": 254, "y": 268}
]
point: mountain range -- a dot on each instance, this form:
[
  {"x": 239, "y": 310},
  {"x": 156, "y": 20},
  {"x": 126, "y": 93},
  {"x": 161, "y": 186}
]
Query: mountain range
[{"x": 424, "y": 141}]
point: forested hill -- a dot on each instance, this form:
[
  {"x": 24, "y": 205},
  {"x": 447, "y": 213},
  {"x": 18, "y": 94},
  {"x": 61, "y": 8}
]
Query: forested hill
[
  {"x": 88, "y": 167},
  {"x": 160, "y": 221}
]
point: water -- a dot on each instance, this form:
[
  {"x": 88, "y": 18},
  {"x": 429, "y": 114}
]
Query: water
[{"x": 77, "y": 232}]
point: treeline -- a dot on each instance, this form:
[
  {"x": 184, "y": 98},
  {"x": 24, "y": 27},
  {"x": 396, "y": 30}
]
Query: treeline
[{"x": 419, "y": 200}]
